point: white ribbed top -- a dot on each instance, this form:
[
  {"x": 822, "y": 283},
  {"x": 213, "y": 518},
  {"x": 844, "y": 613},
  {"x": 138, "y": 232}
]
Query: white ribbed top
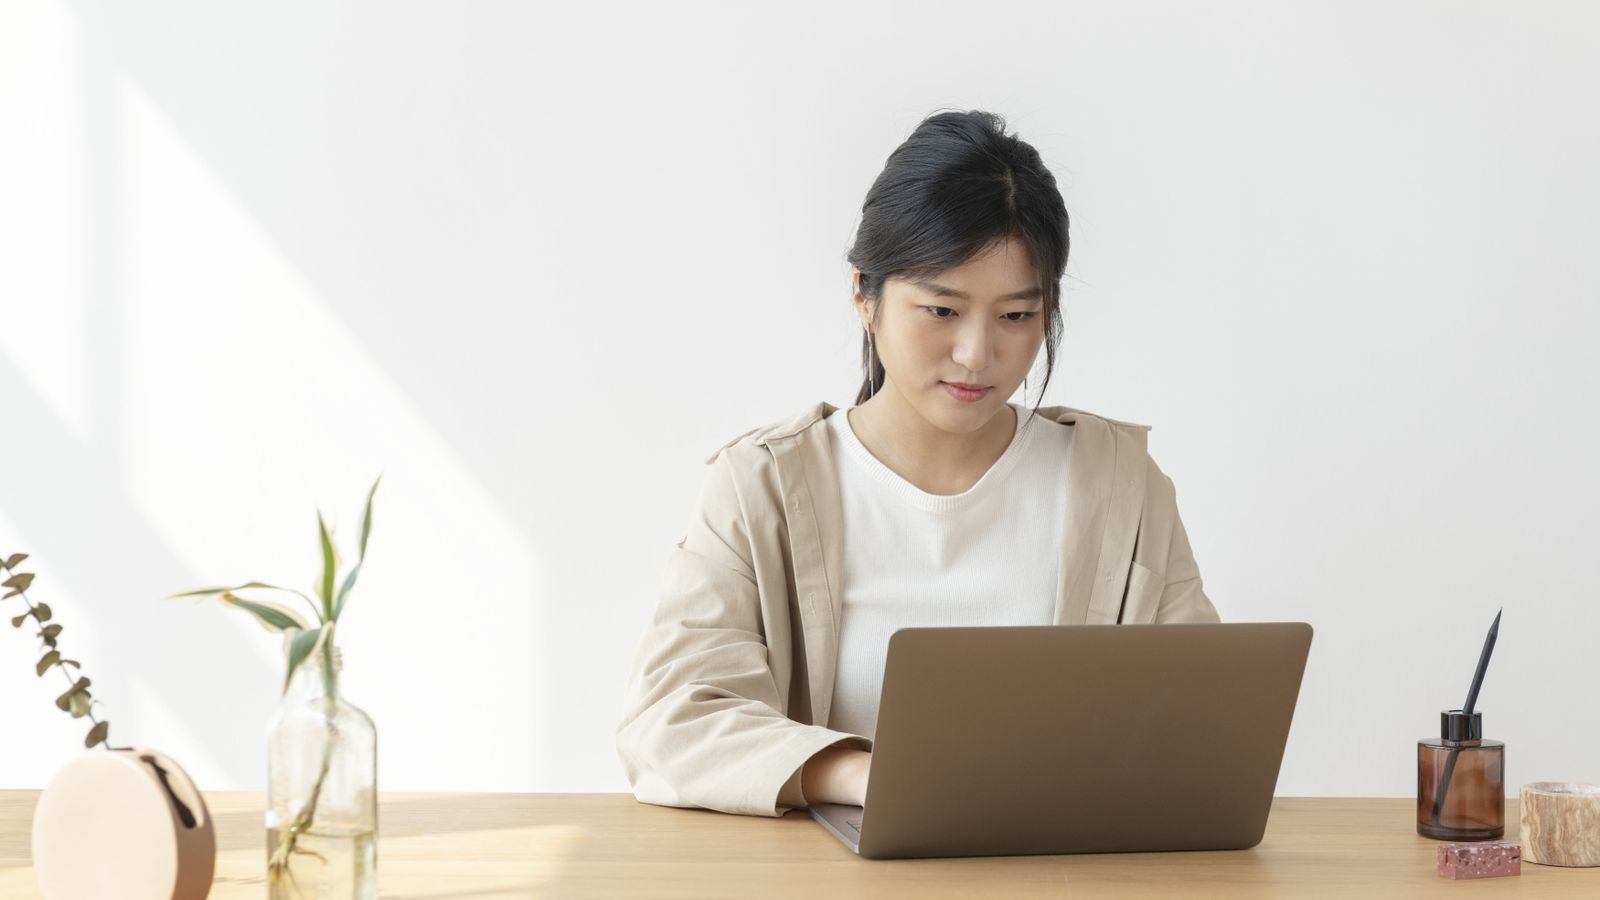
[{"x": 989, "y": 555}]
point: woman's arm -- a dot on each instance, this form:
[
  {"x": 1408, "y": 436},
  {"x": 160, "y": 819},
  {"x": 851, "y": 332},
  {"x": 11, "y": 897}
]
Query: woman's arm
[
  {"x": 836, "y": 775},
  {"x": 704, "y": 722}
]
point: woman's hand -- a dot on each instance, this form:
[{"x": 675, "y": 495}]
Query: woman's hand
[{"x": 836, "y": 775}]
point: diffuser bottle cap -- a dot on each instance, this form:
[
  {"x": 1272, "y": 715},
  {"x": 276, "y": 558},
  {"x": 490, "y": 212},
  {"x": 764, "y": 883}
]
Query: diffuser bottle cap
[{"x": 1459, "y": 725}]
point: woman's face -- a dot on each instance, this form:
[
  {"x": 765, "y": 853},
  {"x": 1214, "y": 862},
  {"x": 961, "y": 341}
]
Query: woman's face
[{"x": 979, "y": 323}]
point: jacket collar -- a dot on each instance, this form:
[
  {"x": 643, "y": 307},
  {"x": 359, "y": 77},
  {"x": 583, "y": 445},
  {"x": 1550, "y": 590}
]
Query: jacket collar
[{"x": 1105, "y": 501}]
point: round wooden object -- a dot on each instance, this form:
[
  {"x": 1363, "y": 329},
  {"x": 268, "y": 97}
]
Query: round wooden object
[
  {"x": 1561, "y": 823},
  {"x": 123, "y": 823}
]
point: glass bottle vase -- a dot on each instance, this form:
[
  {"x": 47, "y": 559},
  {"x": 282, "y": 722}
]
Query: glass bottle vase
[
  {"x": 1471, "y": 776},
  {"x": 322, "y": 790}
]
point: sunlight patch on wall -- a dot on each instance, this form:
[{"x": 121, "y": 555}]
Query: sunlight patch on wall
[{"x": 247, "y": 403}]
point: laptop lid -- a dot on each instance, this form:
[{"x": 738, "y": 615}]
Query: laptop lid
[{"x": 1007, "y": 740}]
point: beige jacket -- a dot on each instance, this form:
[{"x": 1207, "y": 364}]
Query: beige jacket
[{"x": 736, "y": 668}]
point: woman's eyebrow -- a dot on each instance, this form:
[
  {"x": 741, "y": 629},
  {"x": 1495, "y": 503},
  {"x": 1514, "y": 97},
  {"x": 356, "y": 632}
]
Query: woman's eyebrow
[{"x": 933, "y": 287}]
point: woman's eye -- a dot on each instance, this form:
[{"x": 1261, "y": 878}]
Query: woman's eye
[{"x": 936, "y": 310}]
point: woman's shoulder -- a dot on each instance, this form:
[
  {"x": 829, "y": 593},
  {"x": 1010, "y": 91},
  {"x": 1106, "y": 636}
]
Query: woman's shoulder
[
  {"x": 797, "y": 423},
  {"x": 1067, "y": 415},
  {"x": 788, "y": 426},
  {"x": 1109, "y": 445}
]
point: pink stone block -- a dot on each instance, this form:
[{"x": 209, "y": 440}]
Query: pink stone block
[{"x": 1480, "y": 859}]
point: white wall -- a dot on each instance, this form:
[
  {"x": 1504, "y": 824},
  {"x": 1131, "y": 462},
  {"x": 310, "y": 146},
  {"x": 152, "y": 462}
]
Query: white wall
[{"x": 534, "y": 264}]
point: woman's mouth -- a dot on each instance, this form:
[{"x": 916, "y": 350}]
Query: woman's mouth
[{"x": 966, "y": 393}]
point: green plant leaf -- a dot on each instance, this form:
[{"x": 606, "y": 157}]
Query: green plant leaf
[
  {"x": 40, "y": 611},
  {"x": 78, "y": 704},
  {"x": 239, "y": 587},
  {"x": 97, "y": 733},
  {"x": 300, "y": 647},
  {"x": 51, "y": 631},
  {"x": 330, "y": 565},
  {"x": 202, "y": 592},
  {"x": 46, "y": 661},
  {"x": 271, "y": 616},
  {"x": 366, "y": 519},
  {"x": 48, "y": 641},
  {"x": 12, "y": 560},
  {"x": 344, "y": 590},
  {"x": 11, "y": 593},
  {"x": 366, "y": 530},
  {"x": 79, "y": 687},
  {"x": 20, "y": 581}
]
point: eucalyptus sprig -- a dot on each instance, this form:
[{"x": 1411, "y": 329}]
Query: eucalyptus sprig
[
  {"x": 77, "y": 699},
  {"x": 302, "y": 641}
]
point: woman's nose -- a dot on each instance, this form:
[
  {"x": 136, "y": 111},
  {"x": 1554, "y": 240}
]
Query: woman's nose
[{"x": 972, "y": 348}]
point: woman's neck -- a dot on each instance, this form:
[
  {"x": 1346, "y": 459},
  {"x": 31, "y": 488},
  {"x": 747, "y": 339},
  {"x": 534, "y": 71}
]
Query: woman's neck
[{"x": 931, "y": 458}]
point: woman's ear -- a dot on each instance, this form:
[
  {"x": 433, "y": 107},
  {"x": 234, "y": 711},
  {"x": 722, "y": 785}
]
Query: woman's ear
[{"x": 863, "y": 312}]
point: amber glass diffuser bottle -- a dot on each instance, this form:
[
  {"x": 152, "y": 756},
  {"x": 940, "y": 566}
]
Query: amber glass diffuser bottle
[{"x": 1460, "y": 776}]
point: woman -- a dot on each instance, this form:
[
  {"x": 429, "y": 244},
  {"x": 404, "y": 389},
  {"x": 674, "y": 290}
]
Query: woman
[{"x": 933, "y": 501}]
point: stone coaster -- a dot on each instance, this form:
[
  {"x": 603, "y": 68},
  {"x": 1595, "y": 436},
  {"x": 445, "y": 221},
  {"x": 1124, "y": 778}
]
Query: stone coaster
[{"x": 1480, "y": 859}]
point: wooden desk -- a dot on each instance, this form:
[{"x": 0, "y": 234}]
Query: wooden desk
[{"x": 610, "y": 845}]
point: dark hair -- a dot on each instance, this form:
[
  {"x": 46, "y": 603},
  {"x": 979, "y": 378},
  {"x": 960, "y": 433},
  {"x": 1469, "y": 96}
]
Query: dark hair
[{"x": 957, "y": 186}]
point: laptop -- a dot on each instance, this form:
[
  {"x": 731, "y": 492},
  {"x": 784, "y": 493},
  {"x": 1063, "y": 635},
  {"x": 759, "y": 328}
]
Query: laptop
[{"x": 1024, "y": 739}]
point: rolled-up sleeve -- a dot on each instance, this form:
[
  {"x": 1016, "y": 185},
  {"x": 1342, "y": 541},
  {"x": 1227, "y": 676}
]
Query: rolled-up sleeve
[{"x": 703, "y": 723}]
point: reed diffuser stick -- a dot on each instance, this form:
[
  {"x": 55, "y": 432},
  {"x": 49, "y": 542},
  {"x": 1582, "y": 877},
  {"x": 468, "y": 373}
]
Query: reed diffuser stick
[{"x": 1472, "y": 699}]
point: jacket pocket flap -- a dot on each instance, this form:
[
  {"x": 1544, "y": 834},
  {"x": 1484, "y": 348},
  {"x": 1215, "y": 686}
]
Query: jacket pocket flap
[{"x": 1143, "y": 599}]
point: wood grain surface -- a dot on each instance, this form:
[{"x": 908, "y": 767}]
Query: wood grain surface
[{"x": 610, "y": 845}]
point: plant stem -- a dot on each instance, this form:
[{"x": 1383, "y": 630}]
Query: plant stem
[{"x": 278, "y": 865}]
